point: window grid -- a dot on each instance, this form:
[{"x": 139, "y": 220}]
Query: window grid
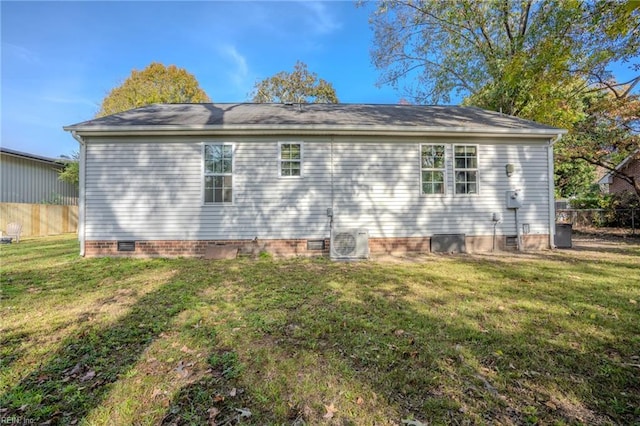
[
  {"x": 465, "y": 169},
  {"x": 432, "y": 165},
  {"x": 290, "y": 159},
  {"x": 218, "y": 173}
]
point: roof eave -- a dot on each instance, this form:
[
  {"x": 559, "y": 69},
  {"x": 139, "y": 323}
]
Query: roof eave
[
  {"x": 33, "y": 157},
  {"x": 252, "y": 130}
]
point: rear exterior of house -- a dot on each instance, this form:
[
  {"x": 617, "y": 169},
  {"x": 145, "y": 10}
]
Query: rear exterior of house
[{"x": 174, "y": 180}]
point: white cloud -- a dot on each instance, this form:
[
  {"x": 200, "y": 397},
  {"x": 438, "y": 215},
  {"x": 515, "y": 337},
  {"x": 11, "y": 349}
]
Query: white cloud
[
  {"x": 320, "y": 19},
  {"x": 238, "y": 71},
  {"x": 21, "y": 53}
]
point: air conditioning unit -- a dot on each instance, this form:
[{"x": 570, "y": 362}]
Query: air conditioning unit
[{"x": 349, "y": 244}]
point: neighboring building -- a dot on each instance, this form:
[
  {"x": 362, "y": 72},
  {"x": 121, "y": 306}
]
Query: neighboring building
[
  {"x": 178, "y": 179},
  {"x": 28, "y": 178},
  {"x": 630, "y": 166}
]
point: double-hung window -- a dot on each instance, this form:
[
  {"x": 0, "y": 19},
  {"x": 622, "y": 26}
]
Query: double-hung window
[
  {"x": 465, "y": 169},
  {"x": 290, "y": 159},
  {"x": 432, "y": 160},
  {"x": 218, "y": 173}
]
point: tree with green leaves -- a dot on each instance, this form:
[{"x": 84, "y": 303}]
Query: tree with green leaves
[
  {"x": 525, "y": 58},
  {"x": 154, "y": 84},
  {"x": 608, "y": 132},
  {"x": 71, "y": 171},
  {"x": 299, "y": 86},
  {"x": 546, "y": 60}
]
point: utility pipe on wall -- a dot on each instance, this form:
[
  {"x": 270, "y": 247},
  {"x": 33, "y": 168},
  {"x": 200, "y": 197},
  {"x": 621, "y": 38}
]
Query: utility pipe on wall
[{"x": 81, "y": 195}]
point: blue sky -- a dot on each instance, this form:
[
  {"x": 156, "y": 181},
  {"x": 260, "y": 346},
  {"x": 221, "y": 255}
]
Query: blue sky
[{"x": 59, "y": 59}]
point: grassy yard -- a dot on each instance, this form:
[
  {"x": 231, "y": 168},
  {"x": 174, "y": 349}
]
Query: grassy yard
[{"x": 542, "y": 338}]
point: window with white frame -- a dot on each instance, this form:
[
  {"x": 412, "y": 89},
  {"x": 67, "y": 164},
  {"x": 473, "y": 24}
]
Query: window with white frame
[
  {"x": 465, "y": 169},
  {"x": 432, "y": 164},
  {"x": 218, "y": 173},
  {"x": 290, "y": 159}
]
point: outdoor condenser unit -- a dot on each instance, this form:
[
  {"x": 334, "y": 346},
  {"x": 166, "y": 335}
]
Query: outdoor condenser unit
[{"x": 349, "y": 244}]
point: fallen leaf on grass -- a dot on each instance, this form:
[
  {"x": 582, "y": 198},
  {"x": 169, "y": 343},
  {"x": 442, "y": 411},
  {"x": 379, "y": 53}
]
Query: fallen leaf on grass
[
  {"x": 90, "y": 375},
  {"x": 218, "y": 398},
  {"x": 413, "y": 422},
  {"x": 359, "y": 401},
  {"x": 180, "y": 369},
  {"x": 213, "y": 412},
  {"x": 331, "y": 410},
  {"x": 186, "y": 350},
  {"x": 244, "y": 412},
  {"x": 487, "y": 385}
]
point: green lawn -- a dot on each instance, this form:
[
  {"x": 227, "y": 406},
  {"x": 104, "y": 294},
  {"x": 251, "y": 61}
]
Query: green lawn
[{"x": 540, "y": 338}]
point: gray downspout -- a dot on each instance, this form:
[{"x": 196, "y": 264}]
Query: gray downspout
[
  {"x": 332, "y": 196},
  {"x": 552, "y": 200},
  {"x": 82, "y": 192}
]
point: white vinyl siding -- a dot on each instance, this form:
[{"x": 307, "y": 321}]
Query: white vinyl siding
[{"x": 152, "y": 189}]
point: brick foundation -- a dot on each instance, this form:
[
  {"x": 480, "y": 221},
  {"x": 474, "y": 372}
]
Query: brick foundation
[
  {"x": 297, "y": 247},
  {"x": 182, "y": 248},
  {"x": 484, "y": 243},
  {"x": 399, "y": 245}
]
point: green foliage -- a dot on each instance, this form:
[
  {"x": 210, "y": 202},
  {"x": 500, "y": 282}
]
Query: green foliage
[
  {"x": 299, "y": 86},
  {"x": 624, "y": 200},
  {"x": 605, "y": 135},
  {"x": 593, "y": 198},
  {"x": 71, "y": 171},
  {"x": 154, "y": 84},
  {"x": 615, "y": 210},
  {"x": 573, "y": 178},
  {"x": 547, "y": 61},
  {"x": 227, "y": 363},
  {"x": 504, "y": 54}
]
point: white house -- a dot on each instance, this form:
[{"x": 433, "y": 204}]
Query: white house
[{"x": 176, "y": 179}]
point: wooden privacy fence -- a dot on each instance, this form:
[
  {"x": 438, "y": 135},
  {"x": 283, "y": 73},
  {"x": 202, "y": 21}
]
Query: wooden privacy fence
[{"x": 39, "y": 220}]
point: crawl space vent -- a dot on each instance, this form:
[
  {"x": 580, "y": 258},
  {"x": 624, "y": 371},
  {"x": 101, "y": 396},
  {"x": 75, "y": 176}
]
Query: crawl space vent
[
  {"x": 315, "y": 244},
  {"x": 448, "y": 243},
  {"x": 126, "y": 246},
  {"x": 511, "y": 241}
]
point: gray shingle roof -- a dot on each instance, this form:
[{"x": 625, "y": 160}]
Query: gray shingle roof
[{"x": 229, "y": 115}]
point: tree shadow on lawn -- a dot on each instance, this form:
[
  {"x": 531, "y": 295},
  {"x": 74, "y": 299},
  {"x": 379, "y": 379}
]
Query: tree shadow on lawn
[
  {"x": 424, "y": 356},
  {"x": 423, "y": 365},
  {"x": 64, "y": 388},
  {"x": 629, "y": 245}
]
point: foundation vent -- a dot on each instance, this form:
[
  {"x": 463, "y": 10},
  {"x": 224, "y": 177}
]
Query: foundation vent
[
  {"x": 448, "y": 243},
  {"x": 126, "y": 246}
]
